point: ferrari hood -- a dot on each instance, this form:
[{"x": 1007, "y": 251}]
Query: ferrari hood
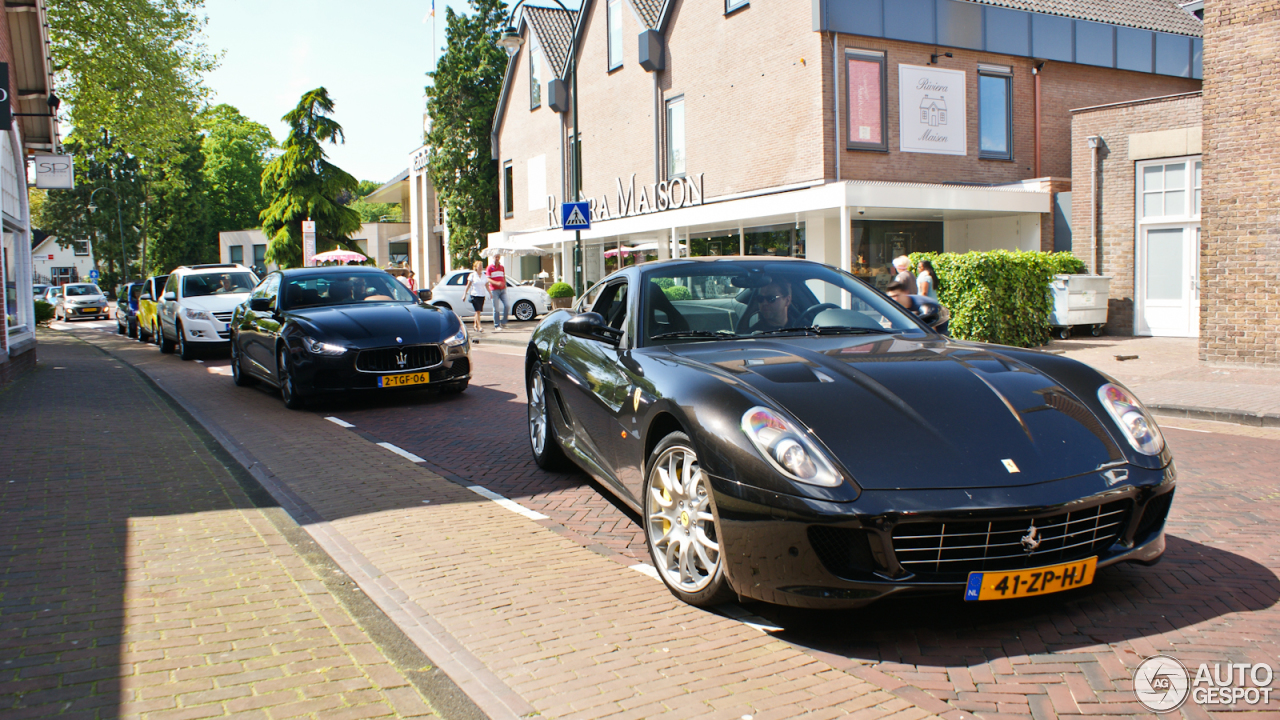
[
  {"x": 379, "y": 324},
  {"x": 927, "y": 414}
]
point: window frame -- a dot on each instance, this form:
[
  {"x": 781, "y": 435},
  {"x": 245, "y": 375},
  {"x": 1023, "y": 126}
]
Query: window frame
[
  {"x": 75, "y": 248},
  {"x": 1191, "y": 213},
  {"x": 732, "y": 6},
  {"x": 231, "y": 254},
  {"x": 684, "y": 147},
  {"x": 535, "y": 78},
  {"x": 508, "y": 190},
  {"x": 880, "y": 57},
  {"x": 1005, "y": 74},
  {"x": 609, "y": 30}
]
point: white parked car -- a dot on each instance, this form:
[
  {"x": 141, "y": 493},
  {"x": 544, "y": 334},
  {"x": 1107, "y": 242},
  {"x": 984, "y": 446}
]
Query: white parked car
[
  {"x": 81, "y": 300},
  {"x": 197, "y": 305},
  {"x": 526, "y": 302}
]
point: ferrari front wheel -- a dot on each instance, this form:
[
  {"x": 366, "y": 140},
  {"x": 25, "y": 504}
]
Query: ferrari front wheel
[
  {"x": 681, "y": 525},
  {"x": 547, "y": 452}
]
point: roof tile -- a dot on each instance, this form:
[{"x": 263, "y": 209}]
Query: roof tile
[
  {"x": 1159, "y": 15},
  {"x": 555, "y": 32}
]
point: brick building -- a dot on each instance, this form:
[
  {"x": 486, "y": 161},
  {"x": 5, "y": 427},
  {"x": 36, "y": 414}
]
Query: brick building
[
  {"x": 846, "y": 131},
  {"x": 24, "y": 47}
]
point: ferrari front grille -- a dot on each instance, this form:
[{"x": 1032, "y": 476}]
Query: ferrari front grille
[
  {"x": 951, "y": 550},
  {"x": 398, "y": 359}
]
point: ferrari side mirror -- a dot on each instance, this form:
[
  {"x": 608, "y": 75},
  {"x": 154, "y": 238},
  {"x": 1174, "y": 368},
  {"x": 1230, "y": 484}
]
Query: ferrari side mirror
[{"x": 591, "y": 326}]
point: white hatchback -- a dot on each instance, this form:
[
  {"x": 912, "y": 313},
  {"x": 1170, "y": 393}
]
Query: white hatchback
[
  {"x": 197, "y": 305},
  {"x": 526, "y": 302}
]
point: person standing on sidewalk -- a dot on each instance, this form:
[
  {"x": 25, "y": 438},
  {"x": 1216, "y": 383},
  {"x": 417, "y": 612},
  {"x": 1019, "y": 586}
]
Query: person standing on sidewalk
[
  {"x": 903, "y": 264},
  {"x": 927, "y": 280},
  {"x": 497, "y": 283},
  {"x": 476, "y": 292}
]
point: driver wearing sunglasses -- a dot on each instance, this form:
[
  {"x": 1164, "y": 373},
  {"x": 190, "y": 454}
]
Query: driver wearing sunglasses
[{"x": 773, "y": 303}]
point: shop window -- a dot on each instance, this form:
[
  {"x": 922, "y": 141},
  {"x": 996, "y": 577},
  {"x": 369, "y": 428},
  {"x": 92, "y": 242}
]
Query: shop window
[
  {"x": 1164, "y": 189},
  {"x": 535, "y": 76},
  {"x": 995, "y": 113},
  {"x": 12, "y": 292},
  {"x": 615, "y": 34},
  {"x": 508, "y": 190},
  {"x": 865, "y": 70},
  {"x": 399, "y": 252},
  {"x": 731, "y": 5},
  {"x": 675, "y": 138},
  {"x": 876, "y": 243},
  {"x": 237, "y": 254}
]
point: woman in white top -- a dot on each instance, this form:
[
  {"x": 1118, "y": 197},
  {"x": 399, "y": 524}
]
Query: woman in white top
[
  {"x": 926, "y": 280},
  {"x": 476, "y": 292}
]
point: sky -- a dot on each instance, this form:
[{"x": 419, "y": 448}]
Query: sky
[{"x": 370, "y": 54}]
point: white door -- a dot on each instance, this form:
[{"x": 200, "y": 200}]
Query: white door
[{"x": 1169, "y": 281}]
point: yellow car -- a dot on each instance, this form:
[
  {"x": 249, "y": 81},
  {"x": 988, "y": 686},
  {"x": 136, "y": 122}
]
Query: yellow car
[{"x": 148, "y": 318}]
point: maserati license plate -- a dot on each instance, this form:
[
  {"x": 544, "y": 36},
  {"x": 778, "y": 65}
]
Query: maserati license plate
[
  {"x": 1026, "y": 583},
  {"x": 391, "y": 381}
]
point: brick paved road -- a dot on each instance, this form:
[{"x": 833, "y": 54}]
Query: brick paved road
[
  {"x": 148, "y": 584},
  {"x": 1212, "y": 599}
]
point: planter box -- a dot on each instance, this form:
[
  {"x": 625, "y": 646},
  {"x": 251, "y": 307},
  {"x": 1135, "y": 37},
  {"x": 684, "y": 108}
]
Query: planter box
[{"x": 563, "y": 302}]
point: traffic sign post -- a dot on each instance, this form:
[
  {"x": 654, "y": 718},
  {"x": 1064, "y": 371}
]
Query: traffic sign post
[
  {"x": 93, "y": 274},
  {"x": 575, "y": 216}
]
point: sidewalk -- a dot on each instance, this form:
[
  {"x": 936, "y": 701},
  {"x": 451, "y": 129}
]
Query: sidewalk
[{"x": 141, "y": 577}]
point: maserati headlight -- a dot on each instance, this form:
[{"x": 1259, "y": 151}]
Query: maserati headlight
[
  {"x": 1134, "y": 420},
  {"x": 459, "y": 339},
  {"x": 193, "y": 314},
  {"x": 322, "y": 348},
  {"x": 787, "y": 449}
]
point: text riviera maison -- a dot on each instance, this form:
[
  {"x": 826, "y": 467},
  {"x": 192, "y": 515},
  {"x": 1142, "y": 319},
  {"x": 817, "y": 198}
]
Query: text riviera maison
[{"x": 654, "y": 197}]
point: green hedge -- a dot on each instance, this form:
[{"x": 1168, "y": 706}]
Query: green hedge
[
  {"x": 560, "y": 290},
  {"x": 677, "y": 292},
  {"x": 44, "y": 312},
  {"x": 1000, "y": 296}
]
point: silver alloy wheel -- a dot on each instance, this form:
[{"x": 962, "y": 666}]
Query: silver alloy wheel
[
  {"x": 524, "y": 310},
  {"x": 679, "y": 521},
  {"x": 537, "y": 413}
]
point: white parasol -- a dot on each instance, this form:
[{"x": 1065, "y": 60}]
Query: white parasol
[{"x": 342, "y": 256}]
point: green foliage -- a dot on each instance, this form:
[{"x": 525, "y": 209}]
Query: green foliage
[
  {"x": 44, "y": 312},
  {"x": 560, "y": 290},
  {"x": 1064, "y": 263},
  {"x": 235, "y": 151},
  {"x": 302, "y": 183},
  {"x": 180, "y": 230},
  {"x": 131, "y": 66},
  {"x": 66, "y": 214},
  {"x": 461, "y": 101},
  {"x": 998, "y": 297},
  {"x": 677, "y": 292},
  {"x": 665, "y": 283},
  {"x": 370, "y": 212}
]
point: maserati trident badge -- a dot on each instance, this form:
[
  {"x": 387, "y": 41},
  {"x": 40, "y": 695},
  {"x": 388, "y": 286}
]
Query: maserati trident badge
[
  {"x": 402, "y": 359},
  {"x": 1031, "y": 540}
]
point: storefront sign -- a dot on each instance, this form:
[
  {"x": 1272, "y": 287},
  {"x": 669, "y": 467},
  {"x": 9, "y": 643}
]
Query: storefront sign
[
  {"x": 931, "y": 110},
  {"x": 654, "y": 197},
  {"x": 308, "y": 242},
  {"x": 6, "y": 107},
  {"x": 54, "y": 172}
]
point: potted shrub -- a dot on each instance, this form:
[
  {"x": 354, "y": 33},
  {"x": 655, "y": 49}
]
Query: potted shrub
[{"x": 561, "y": 295}]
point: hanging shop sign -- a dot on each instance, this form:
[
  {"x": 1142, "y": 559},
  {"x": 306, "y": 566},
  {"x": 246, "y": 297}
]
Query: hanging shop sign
[
  {"x": 54, "y": 172},
  {"x": 655, "y": 197},
  {"x": 931, "y": 110}
]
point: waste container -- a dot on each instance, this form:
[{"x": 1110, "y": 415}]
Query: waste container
[{"x": 1079, "y": 300}]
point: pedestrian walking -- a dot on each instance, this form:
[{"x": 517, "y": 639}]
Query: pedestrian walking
[
  {"x": 903, "y": 265},
  {"x": 927, "y": 280},
  {"x": 496, "y": 277},
  {"x": 476, "y": 292}
]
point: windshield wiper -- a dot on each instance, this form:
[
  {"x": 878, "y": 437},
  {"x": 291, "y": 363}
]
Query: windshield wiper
[
  {"x": 829, "y": 330},
  {"x": 718, "y": 334}
]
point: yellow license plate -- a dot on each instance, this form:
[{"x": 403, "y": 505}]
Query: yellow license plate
[
  {"x": 90, "y": 311},
  {"x": 1027, "y": 583},
  {"x": 390, "y": 381}
]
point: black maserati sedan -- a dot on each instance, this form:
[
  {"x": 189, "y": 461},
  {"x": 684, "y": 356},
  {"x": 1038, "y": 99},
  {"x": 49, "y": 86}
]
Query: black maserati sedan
[
  {"x": 311, "y": 331},
  {"x": 791, "y": 435}
]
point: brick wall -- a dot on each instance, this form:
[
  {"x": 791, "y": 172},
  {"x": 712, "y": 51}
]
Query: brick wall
[
  {"x": 1240, "y": 251},
  {"x": 1116, "y": 188}
]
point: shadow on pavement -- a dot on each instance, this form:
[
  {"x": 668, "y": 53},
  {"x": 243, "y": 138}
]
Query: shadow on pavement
[{"x": 1194, "y": 583}]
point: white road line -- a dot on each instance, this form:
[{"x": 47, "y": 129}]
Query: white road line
[
  {"x": 402, "y": 453},
  {"x": 1175, "y": 427},
  {"x": 746, "y": 618},
  {"x": 339, "y": 423},
  {"x": 511, "y": 505},
  {"x": 646, "y": 569}
]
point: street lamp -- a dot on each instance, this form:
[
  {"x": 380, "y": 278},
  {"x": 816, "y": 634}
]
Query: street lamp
[
  {"x": 511, "y": 41},
  {"x": 124, "y": 257}
]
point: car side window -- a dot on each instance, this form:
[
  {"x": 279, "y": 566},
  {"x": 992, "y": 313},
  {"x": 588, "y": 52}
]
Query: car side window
[
  {"x": 612, "y": 304},
  {"x": 589, "y": 298},
  {"x": 271, "y": 287},
  {"x": 459, "y": 279},
  {"x": 170, "y": 286}
]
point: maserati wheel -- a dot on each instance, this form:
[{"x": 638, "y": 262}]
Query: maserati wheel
[{"x": 288, "y": 388}]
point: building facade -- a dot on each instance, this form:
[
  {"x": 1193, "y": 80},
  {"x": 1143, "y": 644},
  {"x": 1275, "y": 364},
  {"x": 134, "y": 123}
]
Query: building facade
[
  {"x": 426, "y": 234},
  {"x": 847, "y": 132},
  {"x": 24, "y": 47},
  {"x": 53, "y": 264}
]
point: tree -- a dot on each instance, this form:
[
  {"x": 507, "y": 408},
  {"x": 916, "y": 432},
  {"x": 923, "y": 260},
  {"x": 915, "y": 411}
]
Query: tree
[
  {"x": 179, "y": 228},
  {"x": 461, "y": 102},
  {"x": 301, "y": 183},
  {"x": 371, "y": 212},
  {"x": 131, "y": 66},
  {"x": 66, "y": 214},
  {"x": 235, "y": 151}
]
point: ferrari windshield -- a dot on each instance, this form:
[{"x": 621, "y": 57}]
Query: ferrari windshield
[
  {"x": 718, "y": 300},
  {"x": 304, "y": 291}
]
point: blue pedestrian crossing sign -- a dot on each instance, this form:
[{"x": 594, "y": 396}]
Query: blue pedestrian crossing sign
[
  {"x": 575, "y": 216},
  {"x": 93, "y": 274}
]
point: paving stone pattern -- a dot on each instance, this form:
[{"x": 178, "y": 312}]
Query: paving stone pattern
[{"x": 138, "y": 580}]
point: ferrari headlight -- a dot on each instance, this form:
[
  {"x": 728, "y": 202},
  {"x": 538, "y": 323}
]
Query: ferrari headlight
[
  {"x": 322, "y": 348},
  {"x": 787, "y": 449},
  {"x": 193, "y": 314},
  {"x": 1134, "y": 420},
  {"x": 459, "y": 339}
]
